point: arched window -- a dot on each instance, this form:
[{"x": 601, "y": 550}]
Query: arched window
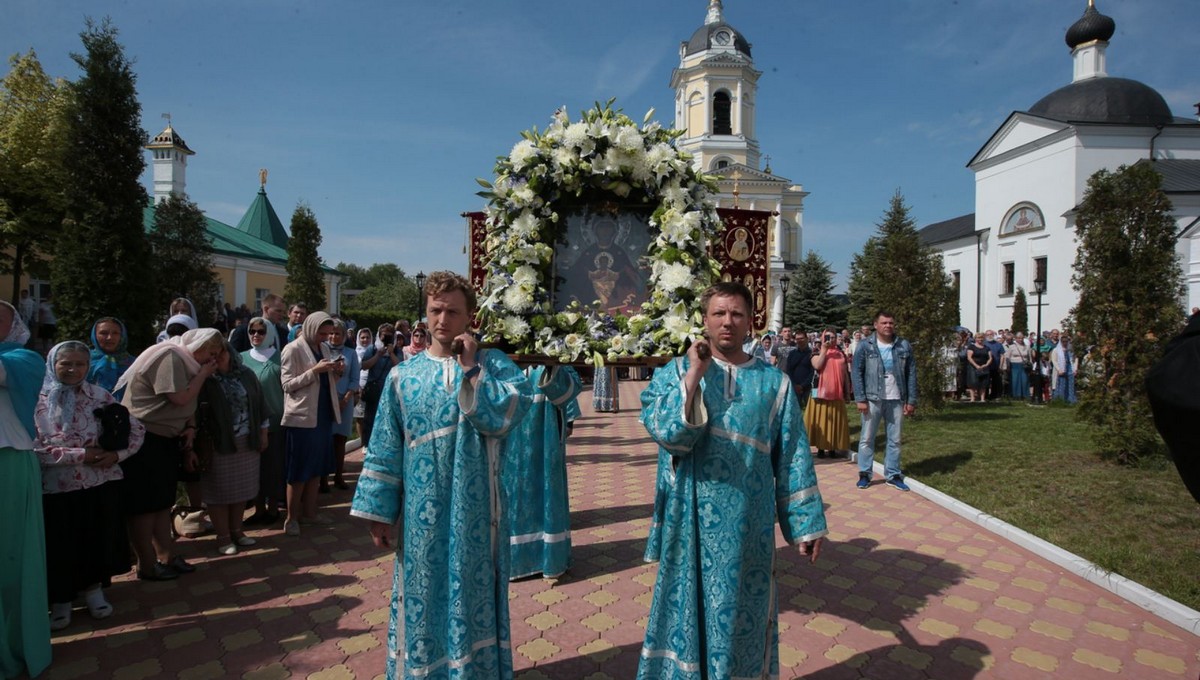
[
  {"x": 721, "y": 120},
  {"x": 722, "y": 164}
]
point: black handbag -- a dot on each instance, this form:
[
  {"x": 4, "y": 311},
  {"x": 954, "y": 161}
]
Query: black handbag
[{"x": 114, "y": 426}]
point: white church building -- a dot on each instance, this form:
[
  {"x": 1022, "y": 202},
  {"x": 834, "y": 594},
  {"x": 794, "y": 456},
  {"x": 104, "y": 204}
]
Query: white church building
[{"x": 1032, "y": 173}]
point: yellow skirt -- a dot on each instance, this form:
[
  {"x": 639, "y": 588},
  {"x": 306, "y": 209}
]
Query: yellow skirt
[{"x": 828, "y": 428}]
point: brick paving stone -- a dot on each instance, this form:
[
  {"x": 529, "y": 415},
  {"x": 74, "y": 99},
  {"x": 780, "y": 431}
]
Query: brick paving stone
[{"x": 904, "y": 589}]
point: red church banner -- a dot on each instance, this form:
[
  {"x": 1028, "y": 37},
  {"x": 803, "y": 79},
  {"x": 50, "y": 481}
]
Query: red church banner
[
  {"x": 741, "y": 248},
  {"x": 476, "y": 255}
]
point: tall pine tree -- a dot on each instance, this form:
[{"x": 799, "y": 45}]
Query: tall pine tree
[
  {"x": 896, "y": 273},
  {"x": 811, "y": 304},
  {"x": 183, "y": 256},
  {"x": 1020, "y": 314},
  {"x": 32, "y": 196},
  {"x": 305, "y": 280},
  {"x": 1130, "y": 288},
  {"x": 99, "y": 267}
]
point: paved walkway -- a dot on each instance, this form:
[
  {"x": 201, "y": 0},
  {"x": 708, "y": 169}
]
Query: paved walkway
[{"x": 904, "y": 589}]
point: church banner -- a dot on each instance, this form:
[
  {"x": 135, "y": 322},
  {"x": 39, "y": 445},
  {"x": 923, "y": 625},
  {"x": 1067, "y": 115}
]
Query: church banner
[
  {"x": 476, "y": 253},
  {"x": 742, "y": 250}
]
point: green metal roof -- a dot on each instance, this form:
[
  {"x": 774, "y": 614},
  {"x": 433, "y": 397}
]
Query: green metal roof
[
  {"x": 234, "y": 242},
  {"x": 261, "y": 221}
]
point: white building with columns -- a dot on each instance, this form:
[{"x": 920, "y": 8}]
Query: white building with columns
[
  {"x": 716, "y": 88},
  {"x": 1032, "y": 174}
]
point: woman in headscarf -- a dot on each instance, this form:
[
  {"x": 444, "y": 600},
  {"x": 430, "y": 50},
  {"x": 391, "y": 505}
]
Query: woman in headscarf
[
  {"x": 1065, "y": 363},
  {"x": 232, "y": 417},
  {"x": 162, "y": 387},
  {"x": 110, "y": 357},
  {"x": 180, "y": 307},
  {"x": 347, "y": 390},
  {"x": 86, "y": 543},
  {"x": 263, "y": 359},
  {"x": 418, "y": 344},
  {"x": 24, "y": 637},
  {"x": 825, "y": 418},
  {"x": 309, "y": 379}
]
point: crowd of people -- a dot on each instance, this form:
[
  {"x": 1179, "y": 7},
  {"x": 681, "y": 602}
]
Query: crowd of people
[
  {"x": 1007, "y": 364},
  {"x": 110, "y": 455}
]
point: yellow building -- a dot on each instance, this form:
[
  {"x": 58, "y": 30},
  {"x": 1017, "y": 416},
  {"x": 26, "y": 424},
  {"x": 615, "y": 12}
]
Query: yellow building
[{"x": 716, "y": 88}]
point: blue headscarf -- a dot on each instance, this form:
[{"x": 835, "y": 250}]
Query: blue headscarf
[
  {"x": 106, "y": 368},
  {"x": 24, "y": 371}
]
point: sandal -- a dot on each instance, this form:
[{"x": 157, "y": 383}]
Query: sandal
[
  {"x": 60, "y": 615},
  {"x": 97, "y": 605}
]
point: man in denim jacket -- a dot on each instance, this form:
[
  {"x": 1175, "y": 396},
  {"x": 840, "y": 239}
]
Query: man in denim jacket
[{"x": 885, "y": 385}]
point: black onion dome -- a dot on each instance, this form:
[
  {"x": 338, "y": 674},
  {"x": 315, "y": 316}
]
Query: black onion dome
[
  {"x": 1105, "y": 100},
  {"x": 702, "y": 39},
  {"x": 1091, "y": 26}
]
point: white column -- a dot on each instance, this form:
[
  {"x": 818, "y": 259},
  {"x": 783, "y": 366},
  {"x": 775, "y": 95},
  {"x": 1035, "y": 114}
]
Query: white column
[
  {"x": 779, "y": 235},
  {"x": 776, "y": 321},
  {"x": 737, "y": 112},
  {"x": 239, "y": 286},
  {"x": 707, "y": 104}
]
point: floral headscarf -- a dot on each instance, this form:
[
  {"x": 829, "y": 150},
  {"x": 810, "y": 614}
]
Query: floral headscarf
[
  {"x": 107, "y": 368},
  {"x": 18, "y": 333},
  {"x": 60, "y": 398}
]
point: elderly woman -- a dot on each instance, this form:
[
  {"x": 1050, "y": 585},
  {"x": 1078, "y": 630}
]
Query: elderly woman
[
  {"x": 263, "y": 359},
  {"x": 309, "y": 380},
  {"x": 109, "y": 357},
  {"x": 85, "y": 532},
  {"x": 233, "y": 421},
  {"x": 162, "y": 387},
  {"x": 825, "y": 418},
  {"x": 24, "y": 636},
  {"x": 347, "y": 390},
  {"x": 1065, "y": 365}
]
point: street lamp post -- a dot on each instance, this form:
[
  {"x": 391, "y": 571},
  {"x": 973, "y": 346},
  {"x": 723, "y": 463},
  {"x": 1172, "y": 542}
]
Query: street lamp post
[
  {"x": 784, "y": 282},
  {"x": 1039, "y": 287},
  {"x": 420, "y": 279}
]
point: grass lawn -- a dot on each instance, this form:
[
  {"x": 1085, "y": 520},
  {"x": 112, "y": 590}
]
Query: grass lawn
[{"x": 1035, "y": 468}]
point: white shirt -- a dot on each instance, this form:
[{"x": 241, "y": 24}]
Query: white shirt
[{"x": 891, "y": 389}]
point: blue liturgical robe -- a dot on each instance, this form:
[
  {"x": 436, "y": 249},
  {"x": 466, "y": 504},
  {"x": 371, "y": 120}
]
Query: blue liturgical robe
[
  {"x": 535, "y": 477},
  {"x": 727, "y": 470},
  {"x": 434, "y": 464}
]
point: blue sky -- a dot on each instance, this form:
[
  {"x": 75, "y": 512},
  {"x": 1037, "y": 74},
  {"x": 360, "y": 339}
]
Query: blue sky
[{"x": 380, "y": 115}]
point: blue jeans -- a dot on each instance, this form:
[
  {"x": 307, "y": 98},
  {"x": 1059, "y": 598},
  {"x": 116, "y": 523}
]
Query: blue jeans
[{"x": 892, "y": 412}]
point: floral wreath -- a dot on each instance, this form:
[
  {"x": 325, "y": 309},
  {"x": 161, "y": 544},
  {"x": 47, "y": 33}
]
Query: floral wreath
[{"x": 604, "y": 159}]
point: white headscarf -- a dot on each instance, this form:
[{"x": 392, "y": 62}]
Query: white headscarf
[
  {"x": 183, "y": 346},
  {"x": 60, "y": 398},
  {"x": 19, "y": 332},
  {"x": 266, "y": 350}
]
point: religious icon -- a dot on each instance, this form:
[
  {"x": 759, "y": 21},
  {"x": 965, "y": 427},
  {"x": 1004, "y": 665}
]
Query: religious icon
[
  {"x": 1023, "y": 218},
  {"x": 739, "y": 244},
  {"x": 600, "y": 261}
]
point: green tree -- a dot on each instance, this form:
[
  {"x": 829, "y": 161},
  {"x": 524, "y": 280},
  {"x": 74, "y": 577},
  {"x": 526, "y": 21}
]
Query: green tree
[
  {"x": 183, "y": 259},
  {"x": 99, "y": 265},
  {"x": 896, "y": 273},
  {"x": 811, "y": 304},
  {"x": 1020, "y": 315},
  {"x": 1130, "y": 287},
  {"x": 32, "y": 196},
  {"x": 305, "y": 278}
]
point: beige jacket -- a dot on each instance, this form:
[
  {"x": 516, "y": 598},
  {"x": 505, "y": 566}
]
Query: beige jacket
[{"x": 301, "y": 386}]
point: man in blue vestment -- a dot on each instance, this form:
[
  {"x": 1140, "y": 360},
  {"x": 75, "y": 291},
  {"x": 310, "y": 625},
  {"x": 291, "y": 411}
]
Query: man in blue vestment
[
  {"x": 535, "y": 477},
  {"x": 733, "y": 457},
  {"x": 433, "y": 470}
]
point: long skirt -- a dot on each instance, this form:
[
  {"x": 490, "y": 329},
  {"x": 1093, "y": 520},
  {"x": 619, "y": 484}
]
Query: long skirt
[
  {"x": 151, "y": 475},
  {"x": 605, "y": 391},
  {"x": 86, "y": 542},
  {"x": 1019, "y": 381},
  {"x": 24, "y": 626},
  {"x": 232, "y": 477},
  {"x": 827, "y": 425},
  {"x": 309, "y": 450},
  {"x": 1064, "y": 388}
]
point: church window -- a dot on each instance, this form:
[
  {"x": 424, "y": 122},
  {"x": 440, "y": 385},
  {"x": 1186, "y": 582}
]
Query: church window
[
  {"x": 722, "y": 164},
  {"x": 722, "y": 124},
  {"x": 1039, "y": 272},
  {"x": 956, "y": 280},
  {"x": 1008, "y": 279}
]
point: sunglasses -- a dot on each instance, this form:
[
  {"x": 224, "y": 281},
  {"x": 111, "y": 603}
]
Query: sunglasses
[{"x": 258, "y": 331}]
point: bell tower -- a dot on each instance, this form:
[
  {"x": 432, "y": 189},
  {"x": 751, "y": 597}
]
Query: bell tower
[
  {"x": 715, "y": 92},
  {"x": 169, "y": 155}
]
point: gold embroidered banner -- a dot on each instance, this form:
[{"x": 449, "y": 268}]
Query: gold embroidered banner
[
  {"x": 741, "y": 248},
  {"x": 476, "y": 255}
]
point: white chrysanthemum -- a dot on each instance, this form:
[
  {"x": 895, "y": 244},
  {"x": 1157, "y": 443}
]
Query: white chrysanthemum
[
  {"x": 525, "y": 226},
  {"x": 676, "y": 196},
  {"x": 522, "y": 153},
  {"x": 564, "y": 157},
  {"x": 628, "y": 139},
  {"x": 515, "y": 327},
  {"x": 525, "y": 276},
  {"x": 675, "y": 275},
  {"x": 576, "y": 135},
  {"x": 517, "y": 299}
]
